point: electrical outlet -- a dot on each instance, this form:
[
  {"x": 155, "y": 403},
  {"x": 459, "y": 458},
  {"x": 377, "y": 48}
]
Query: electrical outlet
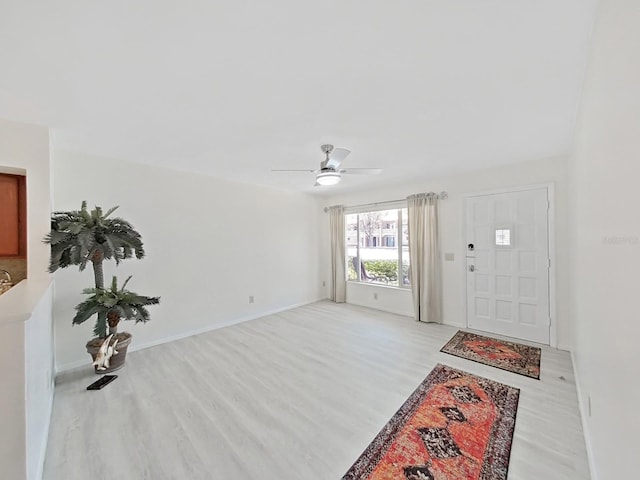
[
  {"x": 250, "y": 298},
  {"x": 375, "y": 295}
]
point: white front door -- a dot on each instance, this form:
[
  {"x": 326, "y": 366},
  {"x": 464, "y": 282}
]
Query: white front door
[{"x": 508, "y": 264}]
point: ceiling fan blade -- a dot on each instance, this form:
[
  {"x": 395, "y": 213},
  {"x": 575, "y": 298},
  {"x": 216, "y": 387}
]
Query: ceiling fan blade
[
  {"x": 361, "y": 171},
  {"x": 336, "y": 157},
  {"x": 292, "y": 170}
]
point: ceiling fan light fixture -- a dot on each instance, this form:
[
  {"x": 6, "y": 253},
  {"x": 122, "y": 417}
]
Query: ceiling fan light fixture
[{"x": 327, "y": 178}]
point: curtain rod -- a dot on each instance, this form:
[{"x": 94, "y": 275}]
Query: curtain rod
[{"x": 441, "y": 196}]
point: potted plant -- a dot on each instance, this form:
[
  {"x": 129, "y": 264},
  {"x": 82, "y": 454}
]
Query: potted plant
[
  {"x": 80, "y": 237},
  {"x": 111, "y": 305}
]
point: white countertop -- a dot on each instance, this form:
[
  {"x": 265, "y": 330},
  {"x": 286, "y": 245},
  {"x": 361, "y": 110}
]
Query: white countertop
[{"x": 18, "y": 303}]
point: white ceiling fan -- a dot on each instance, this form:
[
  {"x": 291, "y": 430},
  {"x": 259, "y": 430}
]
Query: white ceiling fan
[{"x": 330, "y": 172}]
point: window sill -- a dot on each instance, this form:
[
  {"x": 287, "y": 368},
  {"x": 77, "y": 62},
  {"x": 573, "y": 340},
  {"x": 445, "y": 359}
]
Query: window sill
[{"x": 380, "y": 285}]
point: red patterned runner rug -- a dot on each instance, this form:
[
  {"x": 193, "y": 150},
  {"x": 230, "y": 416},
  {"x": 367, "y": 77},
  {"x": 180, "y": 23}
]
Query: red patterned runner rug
[
  {"x": 510, "y": 356},
  {"x": 455, "y": 426}
]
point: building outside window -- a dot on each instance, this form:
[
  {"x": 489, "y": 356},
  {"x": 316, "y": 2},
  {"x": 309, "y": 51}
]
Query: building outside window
[{"x": 377, "y": 246}]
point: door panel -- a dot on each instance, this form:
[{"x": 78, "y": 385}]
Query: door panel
[{"x": 508, "y": 266}]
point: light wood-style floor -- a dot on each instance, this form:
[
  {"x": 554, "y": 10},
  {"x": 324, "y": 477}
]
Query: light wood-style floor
[{"x": 296, "y": 395}]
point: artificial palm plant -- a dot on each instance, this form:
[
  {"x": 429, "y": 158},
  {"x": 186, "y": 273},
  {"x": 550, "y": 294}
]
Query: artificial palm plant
[
  {"x": 78, "y": 237},
  {"x": 112, "y": 305}
]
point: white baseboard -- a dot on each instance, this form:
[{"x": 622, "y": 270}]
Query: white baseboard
[
  {"x": 454, "y": 324},
  {"x": 65, "y": 367},
  {"x": 583, "y": 418},
  {"x": 381, "y": 308},
  {"x": 226, "y": 323},
  {"x": 566, "y": 348},
  {"x": 141, "y": 346}
]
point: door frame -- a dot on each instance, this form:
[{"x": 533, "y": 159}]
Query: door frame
[{"x": 551, "y": 240}]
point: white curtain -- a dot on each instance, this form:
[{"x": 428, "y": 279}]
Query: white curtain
[
  {"x": 338, "y": 292},
  {"x": 424, "y": 253}
]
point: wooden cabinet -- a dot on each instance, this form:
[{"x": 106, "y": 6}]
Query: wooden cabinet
[{"x": 13, "y": 213}]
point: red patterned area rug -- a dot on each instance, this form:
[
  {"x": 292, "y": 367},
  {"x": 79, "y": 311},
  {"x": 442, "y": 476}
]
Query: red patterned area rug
[
  {"x": 511, "y": 356},
  {"x": 455, "y": 426}
]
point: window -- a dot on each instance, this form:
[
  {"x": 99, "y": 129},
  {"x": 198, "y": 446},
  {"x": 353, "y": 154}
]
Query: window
[
  {"x": 503, "y": 237},
  {"x": 377, "y": 250}
]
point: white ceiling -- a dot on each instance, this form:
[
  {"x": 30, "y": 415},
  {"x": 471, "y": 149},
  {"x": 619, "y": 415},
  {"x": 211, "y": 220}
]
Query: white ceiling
[{"x": 236, "y": 88}]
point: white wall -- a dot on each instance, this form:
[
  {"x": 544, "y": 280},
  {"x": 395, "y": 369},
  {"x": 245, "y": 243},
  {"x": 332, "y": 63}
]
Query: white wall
[
  {"x": 26, "y": 378},
  {"x": 26, "y": 147},
  {"x": 13, "y": 436},
  {"x": 210, "y": 244},
  {"x": 451, "y": 218},
  {"x": 605, "y": 172},
  {"x": 39, "y": 382},
  {"x": 26, "y": 361}
]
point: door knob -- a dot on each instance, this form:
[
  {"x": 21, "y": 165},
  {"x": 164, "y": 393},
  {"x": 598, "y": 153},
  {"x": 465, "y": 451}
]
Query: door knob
[{"x": 472, "y": 268}]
